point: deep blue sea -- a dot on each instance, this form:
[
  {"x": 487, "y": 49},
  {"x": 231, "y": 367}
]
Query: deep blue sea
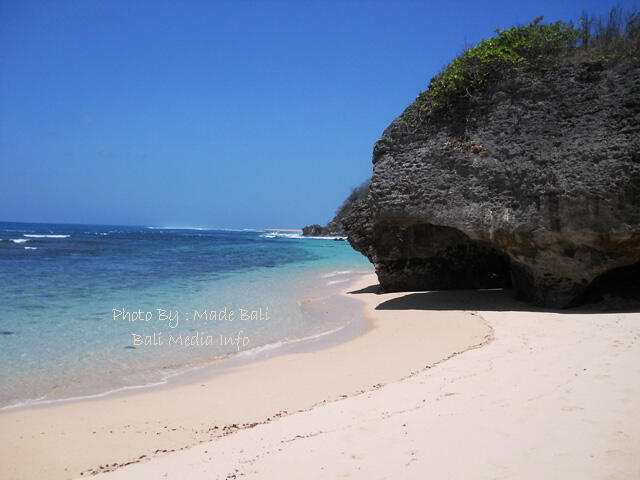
[{"x": 89, "y": 309}]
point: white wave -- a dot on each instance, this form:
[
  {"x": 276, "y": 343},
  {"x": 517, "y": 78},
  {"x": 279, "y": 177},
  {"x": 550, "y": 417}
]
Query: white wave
[
  {"x": 44, "y": 401},
  {"x": 30, "y": 248},
  {"x": 19, "y": 240},
  {"x": 338, "y": 281},
  {"x": 208, "y": 229},
  {"x": 33, "y": 235},
  {"x": 336, "y": 273},
  {"x": 179, "y": 228},
  {"x": 237, "y": 229},
  {"x": 281, "y": 235},
  {"x": 324, "y": 238},
  {"x": 262, "y": 348},
  {"x": 287, "y": 341}
]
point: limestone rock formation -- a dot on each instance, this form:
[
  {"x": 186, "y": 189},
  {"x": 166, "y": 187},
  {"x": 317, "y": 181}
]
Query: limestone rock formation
[{"x": 536, "y": 184}]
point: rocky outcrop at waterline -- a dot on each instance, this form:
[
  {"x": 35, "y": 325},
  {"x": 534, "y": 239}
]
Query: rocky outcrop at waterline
[{"x": 332, "y": 229}]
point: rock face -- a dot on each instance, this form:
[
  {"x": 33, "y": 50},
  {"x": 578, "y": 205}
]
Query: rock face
[{"x": 536, "y": 185}]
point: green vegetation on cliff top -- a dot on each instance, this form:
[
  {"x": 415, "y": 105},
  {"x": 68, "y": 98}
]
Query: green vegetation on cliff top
[{"x": 533, "y": 47}]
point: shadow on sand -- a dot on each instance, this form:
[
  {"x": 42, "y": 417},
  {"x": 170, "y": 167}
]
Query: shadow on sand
[{"x": 497, "y": 300}]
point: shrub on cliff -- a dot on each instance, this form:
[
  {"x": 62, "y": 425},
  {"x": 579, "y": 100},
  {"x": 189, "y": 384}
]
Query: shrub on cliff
[
  {"x": 335, "y": 226},
  {"x": 533, "y": 47},
  {"x": 357, "y": 193}
]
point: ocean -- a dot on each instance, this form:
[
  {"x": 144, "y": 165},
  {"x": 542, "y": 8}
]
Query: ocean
[{"x": 94, "y": 309}]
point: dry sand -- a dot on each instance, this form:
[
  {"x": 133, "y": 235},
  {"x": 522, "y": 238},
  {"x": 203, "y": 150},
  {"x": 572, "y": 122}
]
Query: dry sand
[
  {"x": 553, "y": 396},
  {"x": 69, "y": 439}
]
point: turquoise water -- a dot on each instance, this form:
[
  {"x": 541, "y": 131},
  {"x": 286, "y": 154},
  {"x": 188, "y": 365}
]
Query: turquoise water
[{"x": 91, "y": 309}]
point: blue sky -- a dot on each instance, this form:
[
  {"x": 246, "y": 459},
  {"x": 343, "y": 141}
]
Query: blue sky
[{"x": 203, "y": 113}]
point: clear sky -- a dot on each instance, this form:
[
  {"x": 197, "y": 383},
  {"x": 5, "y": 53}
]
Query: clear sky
[{"x": 227, "y": 114}]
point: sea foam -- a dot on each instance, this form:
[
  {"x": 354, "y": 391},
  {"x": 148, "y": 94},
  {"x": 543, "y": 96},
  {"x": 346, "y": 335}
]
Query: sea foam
[{"x": 33, "y": 235}]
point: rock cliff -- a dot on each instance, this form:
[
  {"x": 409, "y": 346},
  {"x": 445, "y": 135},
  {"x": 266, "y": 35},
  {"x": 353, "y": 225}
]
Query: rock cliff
[{"x": 534, "y": 182}]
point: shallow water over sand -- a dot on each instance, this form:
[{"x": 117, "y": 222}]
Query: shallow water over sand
[{"x": 92, "y": 309}]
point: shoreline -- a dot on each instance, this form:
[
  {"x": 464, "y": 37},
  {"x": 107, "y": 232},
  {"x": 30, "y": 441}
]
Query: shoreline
[
  {"x": 85, "y": 437},
  {"x": 206, "y": 369}
]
